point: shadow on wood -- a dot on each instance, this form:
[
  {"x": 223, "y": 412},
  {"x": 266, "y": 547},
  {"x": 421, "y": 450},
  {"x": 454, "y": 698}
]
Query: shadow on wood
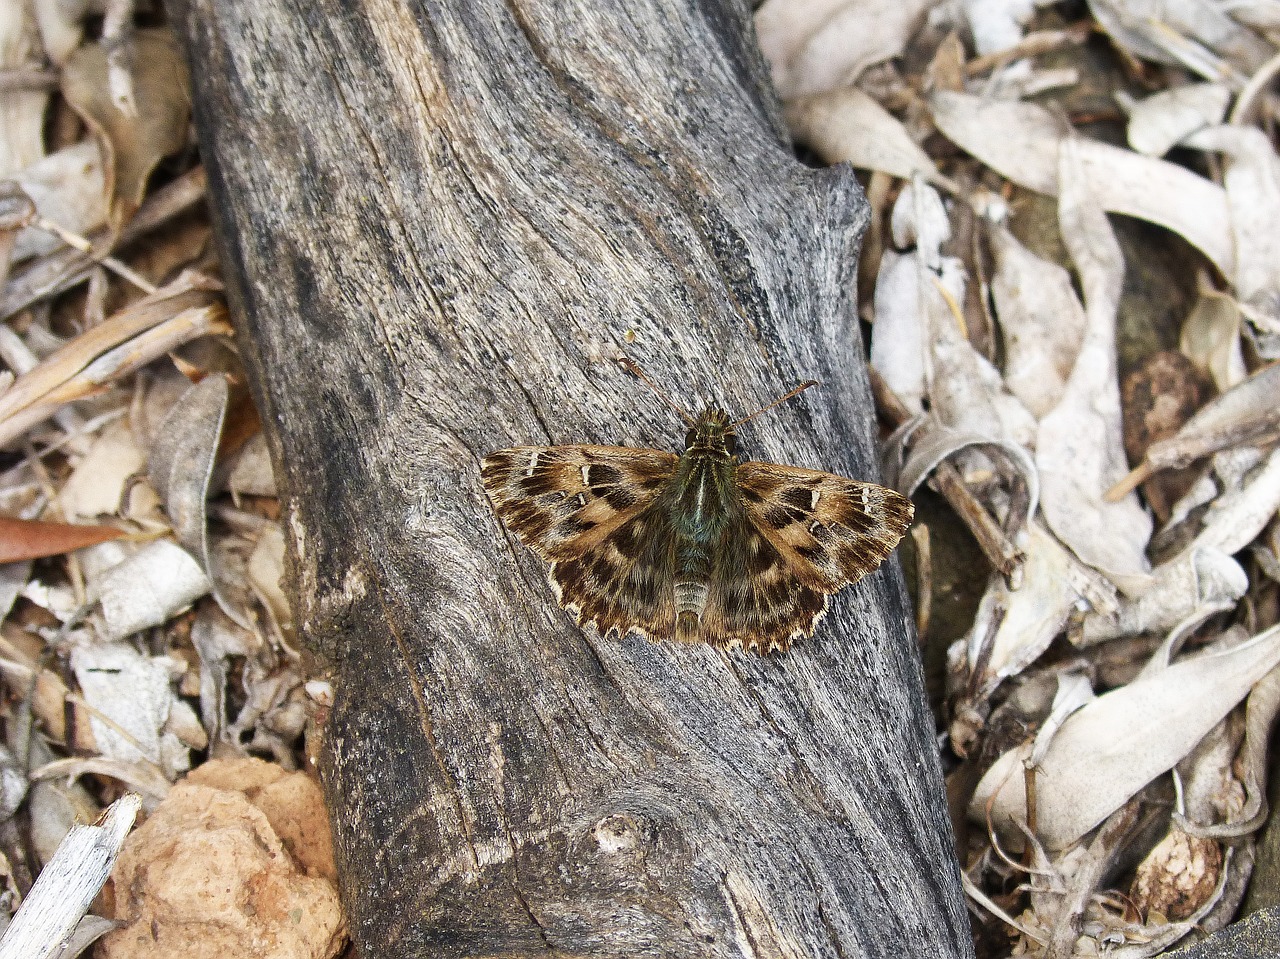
[{"x": 440, "y": 223}]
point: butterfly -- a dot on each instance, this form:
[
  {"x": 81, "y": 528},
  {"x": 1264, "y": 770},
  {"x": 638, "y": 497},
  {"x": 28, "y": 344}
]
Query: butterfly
[{"x": 696, "y": 546}]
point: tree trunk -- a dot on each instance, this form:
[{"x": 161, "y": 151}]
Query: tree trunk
[{"x": 441, "y": 221}]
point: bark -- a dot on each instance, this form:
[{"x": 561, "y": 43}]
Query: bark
[{"x": 440, "y": 221}]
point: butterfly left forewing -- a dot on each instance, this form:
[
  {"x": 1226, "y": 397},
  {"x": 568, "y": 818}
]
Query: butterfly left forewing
[
  {"x": 561, "y": 500},
  {"x": 588, "y": 511},
  {"x": 804, "y": 535}
]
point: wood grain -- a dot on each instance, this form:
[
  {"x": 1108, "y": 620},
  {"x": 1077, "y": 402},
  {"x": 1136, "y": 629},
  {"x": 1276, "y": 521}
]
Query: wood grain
[{"x": 440, "y": 222}]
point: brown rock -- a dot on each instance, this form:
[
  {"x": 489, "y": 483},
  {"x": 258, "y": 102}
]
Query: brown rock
[{"x": 209, "y": 875}]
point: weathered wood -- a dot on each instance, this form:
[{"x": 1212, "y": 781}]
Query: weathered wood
[{"x": 440, "y": 222}]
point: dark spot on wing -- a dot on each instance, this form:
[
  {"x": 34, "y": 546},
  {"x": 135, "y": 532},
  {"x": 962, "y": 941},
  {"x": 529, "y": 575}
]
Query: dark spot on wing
[
  {"x": 539, "y": 484},
  {"x": 627, "y": 538},
  {"x": 573, "y": 525},
  {"x": 620, "y": 497},
  {"x": 798, "y": 497},
  {"x": 778, "y": 517},
  {"x": 602, "y": 474},
  {"x": 760, "y": 557}
]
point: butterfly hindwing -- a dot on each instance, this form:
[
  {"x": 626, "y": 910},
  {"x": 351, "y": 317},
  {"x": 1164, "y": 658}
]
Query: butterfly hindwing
[
  {"x": 805, "y": 534},
  {"x": 755, "y": 600},
  {"x": 588, "y": 510}
]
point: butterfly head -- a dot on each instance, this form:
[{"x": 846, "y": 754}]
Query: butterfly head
[{"x": 712, "y": 434}]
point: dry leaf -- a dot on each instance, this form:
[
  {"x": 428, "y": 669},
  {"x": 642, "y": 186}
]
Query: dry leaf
[
  {"x": 69, "y": 189},
  {"x": 1042, "y": 321},
  {"x": 21, "y": 111},
  {"x": 816, "y": 45},
  {"x": 996, "y": 25},
  {"x": 1187, "y": 33},
  {"x": 32, "y": 539},
  {"x": 181, "y": 460},
  {"x": 1252, "y": 182},
  {"x": 1164, "y": 119},
  {"x": 1021, "y": 142},
  {"x": 1111, "y": 748},
  {"x": 1080, "y": 449},
  {"x": 131, "y": 697},
  {"x": 133, "y": 143},
  {"x": 846, "y": 125},
  {"x": 1211, "y": 339},
  {"x": 97, "y": 483},
  {"x": 148, "y": 588}
]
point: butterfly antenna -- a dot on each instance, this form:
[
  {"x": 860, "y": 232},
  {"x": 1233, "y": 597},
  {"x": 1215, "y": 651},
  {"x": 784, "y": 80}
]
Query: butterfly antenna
[
  {"x": 632, "y": 367},
  {"x": 781, "y": 399}
]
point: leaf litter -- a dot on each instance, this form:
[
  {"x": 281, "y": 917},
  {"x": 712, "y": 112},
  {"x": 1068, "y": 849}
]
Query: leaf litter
[
  {"x": 1106, "y": 703},
  {"x": 145, "y": 636},
  {"x": 1108, "y": 699}
]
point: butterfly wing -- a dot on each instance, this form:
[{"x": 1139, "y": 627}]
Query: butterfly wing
[
  {"x": 805, "y": 534},
  {"x": 588, "y": 510}
]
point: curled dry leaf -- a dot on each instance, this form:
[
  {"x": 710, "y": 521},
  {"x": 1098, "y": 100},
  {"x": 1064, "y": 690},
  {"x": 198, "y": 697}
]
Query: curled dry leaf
[
  {"x": 1252, "y": 182},
  {"x": 97, "y": 484},
  {"x": 180, "y": 465},
  {"x": 817, "y": 45},
  {"x": 181, "y": 460},
  {"x": 250, "y": 472},
  {"x": 1187, "y": 33},
  {"x": 1042, "y": 321},
  {"x": 1032, "y": 616},
  {"x": 148, "y": 588},
  {"x": 1197, "y": 584},
  {"x": 1080, "y": 449},
  {"x": 266, "y": 574},
  {"x": 1211, "y": 338},
  {"x": 1021, "y": 142},
  {"x": 1163, "y": 120},
  {"x": 1236, "y": 518},
  {"x": 1113, "y": 747},
  {"x": 22, "y": 116},
  {"x": 131, "y": 697},
  {"x": 69, "y": 189},
  {"x": 133, "y": 142},
  {"x": 61, "y": 27},
  {"x": 898, "y": 346},
  {"x": 846, "y": 125}
]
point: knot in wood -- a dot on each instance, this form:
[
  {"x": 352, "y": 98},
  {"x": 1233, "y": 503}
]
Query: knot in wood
[{"x": 617, "y": 834}]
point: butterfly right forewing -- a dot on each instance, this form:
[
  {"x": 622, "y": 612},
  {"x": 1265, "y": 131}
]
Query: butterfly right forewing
[{"x": 830, "y": 530}]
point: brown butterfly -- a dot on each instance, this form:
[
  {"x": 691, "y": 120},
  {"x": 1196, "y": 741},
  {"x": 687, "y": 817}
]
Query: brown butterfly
[{"x": 696, "y": 546}]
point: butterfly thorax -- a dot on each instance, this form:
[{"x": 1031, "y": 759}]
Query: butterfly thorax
[{"x": 703, "y": 490}]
